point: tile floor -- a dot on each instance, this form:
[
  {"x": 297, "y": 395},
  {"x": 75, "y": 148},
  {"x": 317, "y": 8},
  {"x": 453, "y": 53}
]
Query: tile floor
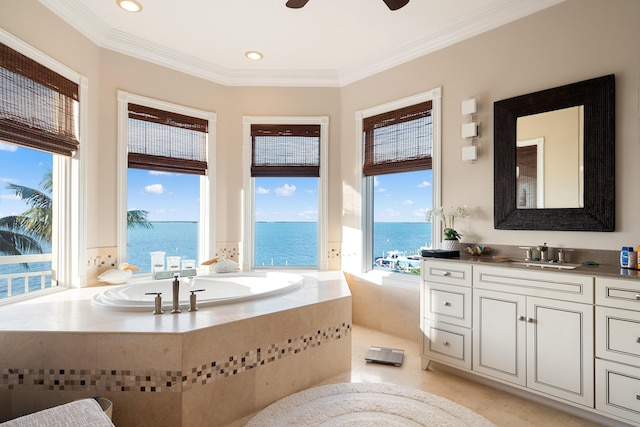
[{"x": 499, "y": 407}]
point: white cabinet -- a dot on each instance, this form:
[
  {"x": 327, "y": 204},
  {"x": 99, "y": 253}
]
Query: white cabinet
[
  {"x": 535, "y": 329},
  {"x": 445, "y": 312},
  {"x": 542, "y": 344},
  {"x": 618, "y": 348}
]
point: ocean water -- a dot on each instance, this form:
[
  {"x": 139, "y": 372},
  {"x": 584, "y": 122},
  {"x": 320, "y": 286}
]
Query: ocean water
[{"x": 277, "y": 243}]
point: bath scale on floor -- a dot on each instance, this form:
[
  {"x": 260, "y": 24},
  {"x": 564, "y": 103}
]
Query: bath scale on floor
[{"x": 386, "y": 356}]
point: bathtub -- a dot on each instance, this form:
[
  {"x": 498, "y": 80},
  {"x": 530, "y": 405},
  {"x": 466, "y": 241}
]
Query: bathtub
[{"x": 218, "y": 289}]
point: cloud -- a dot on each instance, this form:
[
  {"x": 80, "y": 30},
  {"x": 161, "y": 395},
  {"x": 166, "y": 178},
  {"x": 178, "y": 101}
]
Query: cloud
[
  {"x": 156, "y": 173},
  {"x": 308, "y": 214},
  {"x": 8, "y": 180},
  {"x": 389, "y": 212},
  {"x": 424, "y": 184},
  {"x": 8, "y": 147},
  {"x": 10, "y": 197},
  {"x": 153, "y": 189},
  {"x": 285, "y": 190},
  {"x": 381, "y": 190},
  {"x": 262, "y": 190},
  {"x": 407, "y": 202},
  {"x": 376, "y": 181}
]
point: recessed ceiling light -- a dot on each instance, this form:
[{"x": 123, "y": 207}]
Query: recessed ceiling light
[
  {"x": 129, "y": 5},
  {"x": 253, "y": 55}
]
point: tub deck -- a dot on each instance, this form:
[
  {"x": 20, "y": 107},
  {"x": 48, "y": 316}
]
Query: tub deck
[{"x": 208, "y": 367}]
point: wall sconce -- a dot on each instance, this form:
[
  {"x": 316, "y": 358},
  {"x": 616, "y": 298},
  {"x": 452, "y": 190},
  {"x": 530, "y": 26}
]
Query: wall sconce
[{"x": 470, "y": 130}]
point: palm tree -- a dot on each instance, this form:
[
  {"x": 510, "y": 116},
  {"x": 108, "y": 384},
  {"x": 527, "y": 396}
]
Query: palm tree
[{"x": 23, "y": 233}]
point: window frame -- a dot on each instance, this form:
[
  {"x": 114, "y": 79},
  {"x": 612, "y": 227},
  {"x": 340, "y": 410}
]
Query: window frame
[
  {"x": 248, "y": 185},
  {"x": 206, "y": 230},
  {"x": 68, "y": 248},
  {"x": 365, "y": 187}
]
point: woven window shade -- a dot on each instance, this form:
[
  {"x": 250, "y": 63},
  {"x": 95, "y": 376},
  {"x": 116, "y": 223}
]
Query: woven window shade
[
  {"x": 285, "y": 150},
  {"x": 398, "y": 141},
  {"x": 38, "y": 107},
  {"x": 165, "y": 141}
]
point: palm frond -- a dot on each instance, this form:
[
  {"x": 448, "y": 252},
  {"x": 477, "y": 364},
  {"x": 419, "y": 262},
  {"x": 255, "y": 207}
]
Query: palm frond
[{"x": 138, "y": 219}]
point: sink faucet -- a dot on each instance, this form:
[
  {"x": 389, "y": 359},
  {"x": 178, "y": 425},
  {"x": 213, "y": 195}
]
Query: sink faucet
[
  {"x": 176, "y": 291},
  {"x": 544, "y": 252}
]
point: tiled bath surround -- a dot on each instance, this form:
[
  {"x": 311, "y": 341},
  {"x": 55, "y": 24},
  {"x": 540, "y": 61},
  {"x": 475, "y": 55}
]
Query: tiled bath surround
[{"x": 210, "y": 367}]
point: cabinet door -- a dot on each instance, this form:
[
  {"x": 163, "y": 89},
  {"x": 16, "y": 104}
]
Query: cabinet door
[
  {"x": 499, "y": 335},
  {"x": 560, "y": 349}
]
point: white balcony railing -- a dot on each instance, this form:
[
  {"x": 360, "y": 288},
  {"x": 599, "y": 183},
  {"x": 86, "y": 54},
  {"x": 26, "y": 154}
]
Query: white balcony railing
[{"x": 26, "y": 280}]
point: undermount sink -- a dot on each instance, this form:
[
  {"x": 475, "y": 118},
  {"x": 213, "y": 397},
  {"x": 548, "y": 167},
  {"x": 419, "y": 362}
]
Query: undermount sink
[{"x": 553, "y": 265}]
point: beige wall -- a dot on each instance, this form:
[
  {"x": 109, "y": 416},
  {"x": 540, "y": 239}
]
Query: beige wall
[
  {"x": 573, "y": 41},
  {"x": 570, "y": 42}
]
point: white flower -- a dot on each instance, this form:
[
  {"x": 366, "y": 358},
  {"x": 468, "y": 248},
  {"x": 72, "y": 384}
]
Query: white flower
[{"x": 447, "y": 216}]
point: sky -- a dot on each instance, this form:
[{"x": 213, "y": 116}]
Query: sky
[
  {"x": 20, "y": 166},
  {"x": 403, "y": 197}
]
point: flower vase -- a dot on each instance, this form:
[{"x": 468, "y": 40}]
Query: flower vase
[{"x": 451, "y": 245}]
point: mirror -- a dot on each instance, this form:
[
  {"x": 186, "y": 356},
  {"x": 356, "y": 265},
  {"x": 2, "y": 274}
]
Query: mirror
[
  {"x": 549, "y": 159},
  {"x": 554, "y": 158}
]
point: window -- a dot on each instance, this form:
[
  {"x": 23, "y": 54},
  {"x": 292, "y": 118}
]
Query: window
[
  {"x": 164, "y": 181},
  {"x": 285, "y": 185},
  {"x": 42, "y": 122},
  {"x": 400, "y": 143}
]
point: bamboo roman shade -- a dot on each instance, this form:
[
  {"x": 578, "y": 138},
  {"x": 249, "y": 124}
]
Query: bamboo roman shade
[
  {"x": 398, "y": 141},
  {"x": 39, "y": 107},
  {"x": 166, "y": 141},
  {"x": 285, "y": 150}
]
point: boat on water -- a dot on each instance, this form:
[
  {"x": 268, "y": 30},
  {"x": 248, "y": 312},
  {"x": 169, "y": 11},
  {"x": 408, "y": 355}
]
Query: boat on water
[{"x": 396, "y": 260}]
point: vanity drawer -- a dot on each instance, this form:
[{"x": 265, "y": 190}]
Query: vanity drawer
[
  {"x": 453, "y": 273},
  {"x": 618, "y": 293},
  {"x": 448, "y": 303},
  {"x": 545, "y": 284},
  {"x": 618, "y": 390},
  {"x": 447, "y": 344},
  {"x": 618, "y": 335}
]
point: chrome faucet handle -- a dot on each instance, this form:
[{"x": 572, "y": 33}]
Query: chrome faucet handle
[
  {"x": 561, "y": 253},
  {"x": 192, "y": 300},
  {"x": 157, "y": 302},
  {"x": 528, "y": 255}
]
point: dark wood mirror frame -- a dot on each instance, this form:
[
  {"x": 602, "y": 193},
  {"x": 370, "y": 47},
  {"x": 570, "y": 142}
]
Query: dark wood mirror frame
[{"x": 598, "y": 214}]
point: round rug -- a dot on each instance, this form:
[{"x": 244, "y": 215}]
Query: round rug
[{"x": 366, "y": 404}]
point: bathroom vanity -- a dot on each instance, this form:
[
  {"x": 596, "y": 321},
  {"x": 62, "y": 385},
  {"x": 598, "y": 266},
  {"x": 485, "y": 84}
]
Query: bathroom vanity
[{"x": 568, "y": 335}]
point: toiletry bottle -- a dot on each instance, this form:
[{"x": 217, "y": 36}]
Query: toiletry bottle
[
  {"x": 628, "y": 257},
  {"x": 638, "y": 257},
  {"x": 624, "y": 257}
]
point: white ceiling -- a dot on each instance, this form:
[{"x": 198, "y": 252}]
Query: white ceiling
[{"x": 326, "y": 43}]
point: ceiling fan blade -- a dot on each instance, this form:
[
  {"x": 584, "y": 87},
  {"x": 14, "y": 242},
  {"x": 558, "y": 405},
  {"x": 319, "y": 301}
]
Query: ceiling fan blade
[
  {"x": 296, "y": 4},
  {"x": 394, "y": 4}
]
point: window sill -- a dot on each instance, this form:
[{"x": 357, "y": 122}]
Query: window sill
[{"x": 395, "y": 280}]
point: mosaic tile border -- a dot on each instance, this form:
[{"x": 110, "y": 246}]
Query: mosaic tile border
[{"x": 99, "y": 380}]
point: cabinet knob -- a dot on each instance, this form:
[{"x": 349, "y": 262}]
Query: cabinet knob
[
  {"x": 638, "y": 296},
  {"x": 530, "y": 320},
  {"x": 446, "y": 273},
  {"x": 638, "y": 340},
  {"x": 521, "y": 318},
  {"x": 637, "y": 396},
  {"x": 445, "y": 343},
  {"x": 447, "y": 304}
]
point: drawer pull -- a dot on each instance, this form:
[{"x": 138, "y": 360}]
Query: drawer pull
[
  {"x": 446, "y": 273},
  {"x": 445, "y": 343},
  {"x": 448, "y": 304},
  {"x": 521, "y": 318}
]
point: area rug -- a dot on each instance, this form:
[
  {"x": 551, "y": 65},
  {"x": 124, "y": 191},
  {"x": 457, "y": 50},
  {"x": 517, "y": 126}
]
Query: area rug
[{"x": 366, "y": 404}]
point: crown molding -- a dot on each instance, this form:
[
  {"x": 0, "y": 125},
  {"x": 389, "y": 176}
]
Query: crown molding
[{"x": 495, "y": 14}]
